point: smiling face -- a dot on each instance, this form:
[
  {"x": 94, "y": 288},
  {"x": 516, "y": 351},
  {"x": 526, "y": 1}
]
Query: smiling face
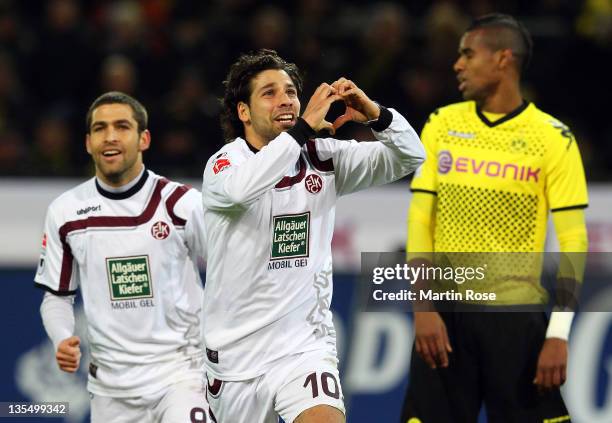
[
  {"x": 115, "y": 144},
  {"x": 478, "y": 67},
  {"x": 273, "y": 107}
]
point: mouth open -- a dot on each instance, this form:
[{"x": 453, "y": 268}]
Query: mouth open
[
  {"x": 462, "y": 83},
  {"x": 286, "y": 119},
  {"x": 110, "y": 154}
]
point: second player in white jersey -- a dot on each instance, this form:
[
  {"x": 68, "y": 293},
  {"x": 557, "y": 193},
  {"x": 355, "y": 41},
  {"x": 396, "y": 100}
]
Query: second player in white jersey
[
  {"x": 133, "y": 257},
  {"x": 130, "y": 241}
]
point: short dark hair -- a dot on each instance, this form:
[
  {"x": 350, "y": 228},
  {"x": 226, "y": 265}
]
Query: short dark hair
[
  {"x": 238, "y": 85},
  {"x": 511, "y": 35},
  {"x": 115, "y": 97}
]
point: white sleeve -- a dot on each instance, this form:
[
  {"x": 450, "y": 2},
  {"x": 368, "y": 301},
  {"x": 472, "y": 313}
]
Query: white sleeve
[
  {"x": 56, "y": 267},
  {"x": 359, "y": 165},
  {"x": 234, "y": 179},
  {"x": 189, "y": 207},
  {"x": 58, "y": 317}
]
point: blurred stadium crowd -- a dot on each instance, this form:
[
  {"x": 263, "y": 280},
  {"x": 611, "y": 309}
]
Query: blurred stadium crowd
[{"x": 56, "y": 56}]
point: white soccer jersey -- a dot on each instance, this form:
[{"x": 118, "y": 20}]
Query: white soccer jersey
[
  {"x": 134, "y": 257},
  {"x": 270, "y": 220}
]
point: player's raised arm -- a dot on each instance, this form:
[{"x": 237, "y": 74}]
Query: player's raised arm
[
  {"x": 234, "y": 179},
  {"x": 361, "y": 165}
]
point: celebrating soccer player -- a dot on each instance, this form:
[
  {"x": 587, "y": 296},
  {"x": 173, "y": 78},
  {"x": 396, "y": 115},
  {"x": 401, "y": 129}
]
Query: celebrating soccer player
[
  {"x": 269, "y": 198},
  {"x": 496, "y": 166},
  {"x": 129, "y": 239}
]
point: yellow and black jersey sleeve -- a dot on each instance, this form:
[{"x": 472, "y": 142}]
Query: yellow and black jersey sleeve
[
  {"x": 565, "y": 181},
  {"x": 425, "y": 177},
  {"x": 420, "y": 224}
]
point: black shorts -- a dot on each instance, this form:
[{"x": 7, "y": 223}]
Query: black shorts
[{"x": 494, "y": 361}]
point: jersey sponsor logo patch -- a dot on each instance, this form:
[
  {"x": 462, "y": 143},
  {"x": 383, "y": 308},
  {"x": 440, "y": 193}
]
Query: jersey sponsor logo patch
[
  {"x": 129, "y": 277},
  {"x": 490, "y": 168},
  {"x": 314, "y": 183},
  {"x": 220, "y": 163},
  {"x": 290, "y": 236},
  {"x": 445, "y": 162},
  {"x": 160, "y": 230}
]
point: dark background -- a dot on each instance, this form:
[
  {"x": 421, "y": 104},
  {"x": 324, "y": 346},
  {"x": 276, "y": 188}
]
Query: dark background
[{"x": 57, "y": 56}]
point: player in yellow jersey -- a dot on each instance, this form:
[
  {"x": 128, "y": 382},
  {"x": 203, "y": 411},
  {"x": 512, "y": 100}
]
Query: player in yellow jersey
[{"x": 496, "y": 168}]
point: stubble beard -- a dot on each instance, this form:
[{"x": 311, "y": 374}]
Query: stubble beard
[{"x": 112, "y": 174}]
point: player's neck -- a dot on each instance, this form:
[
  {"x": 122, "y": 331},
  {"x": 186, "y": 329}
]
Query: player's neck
[
  {"x": 122, "y": 182},
  {"x": 255, "y": 140},
  {"x": 504, "y": 100}
]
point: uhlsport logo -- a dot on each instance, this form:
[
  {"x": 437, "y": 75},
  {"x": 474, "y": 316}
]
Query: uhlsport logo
[
  {"x": 160, "y": 230},
  {"x": 290, "y": 236},
  {"x": 89, "y": 209},
  {"x": 314, "y": 183},
  {"x": 129, "y": 277},
  {"x": 445, "y": 162}
]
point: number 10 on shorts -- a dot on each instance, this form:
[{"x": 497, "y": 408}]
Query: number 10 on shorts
[{"x": 327, "y": 381}]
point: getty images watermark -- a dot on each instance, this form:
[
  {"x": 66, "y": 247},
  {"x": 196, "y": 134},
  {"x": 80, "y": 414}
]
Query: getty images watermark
[
  {"x": 430, "y": 274},
  {"x": 485, "y": 281}
]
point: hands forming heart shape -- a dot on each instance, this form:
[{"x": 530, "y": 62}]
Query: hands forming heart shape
[{"x": 359, "y": 107}]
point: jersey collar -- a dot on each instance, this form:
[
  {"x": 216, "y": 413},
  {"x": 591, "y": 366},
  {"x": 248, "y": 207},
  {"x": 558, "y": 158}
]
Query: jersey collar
[
  {"x": 126, "y": 194},
  {"x": 251, "y": 147},
  {"x": 503, "y": 119}
]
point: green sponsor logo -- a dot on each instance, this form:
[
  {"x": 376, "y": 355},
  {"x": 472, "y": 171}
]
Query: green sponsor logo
[
  {"x": 129, "y": 277},
  {"x": 290, "y": 236}
]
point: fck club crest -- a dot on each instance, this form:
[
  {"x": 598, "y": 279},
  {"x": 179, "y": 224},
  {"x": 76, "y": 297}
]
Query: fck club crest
[
  {"x": 314, "y": 183},
  {"x": 160, "y": 230}
]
